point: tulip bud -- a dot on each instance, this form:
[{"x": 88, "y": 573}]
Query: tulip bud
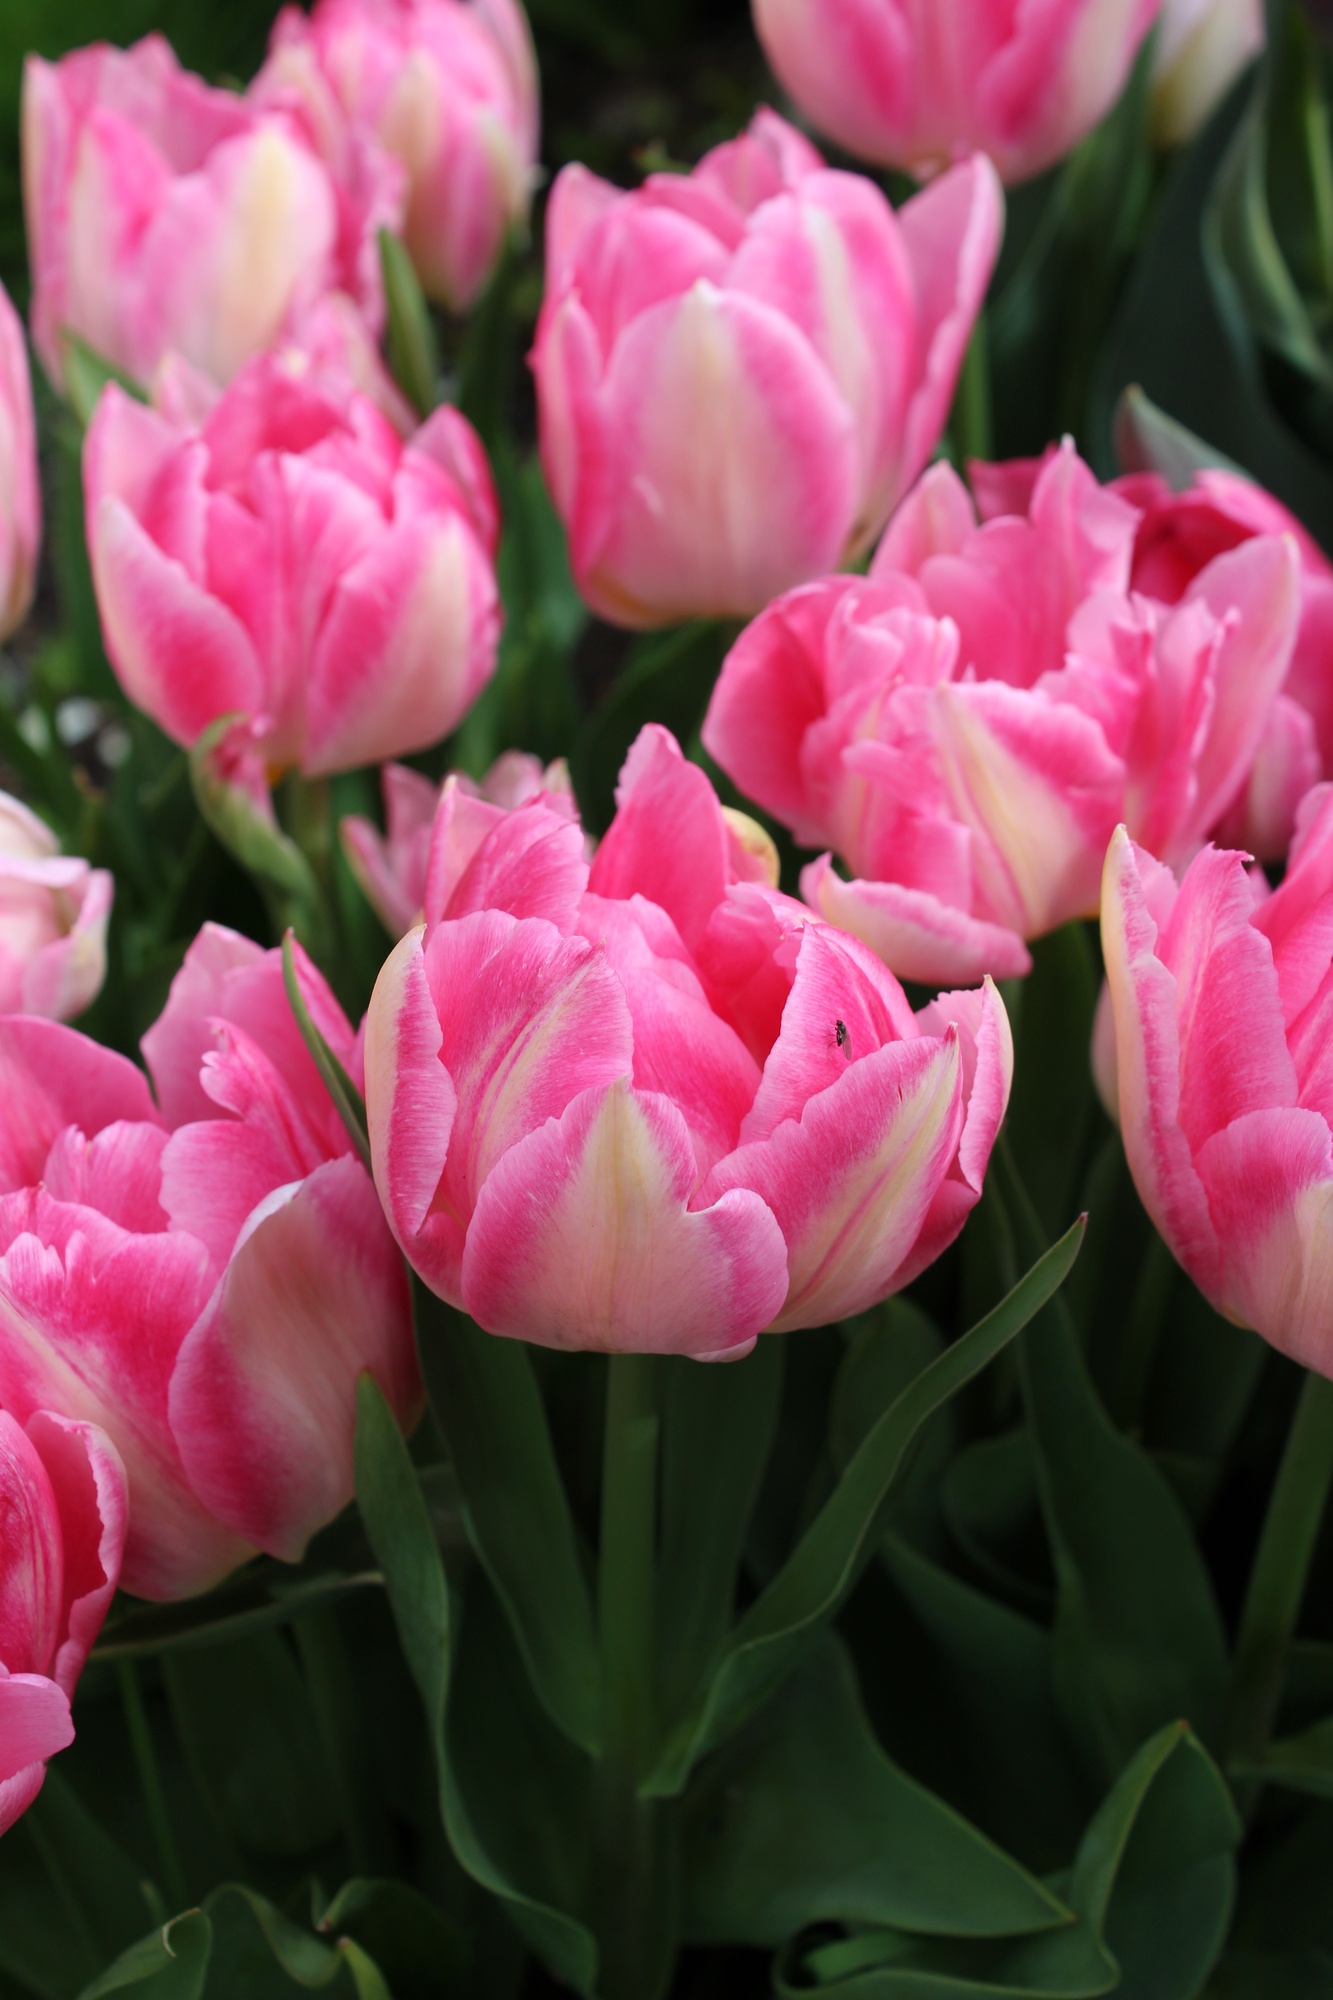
[
  {"x": 739, "y": 372},
  {"x": 54, "y": 911},
  {"x": 1202, "y": 47},
  {"x": 449, "y": 90},
  {"x": 20, "y": 493},
  {"x": 649, "y": 1102},
  {"x": 163, "y": 215},
  {"x": 919, "y": 86},
  {"x": 1222, "y": 998},
  {"x": 289, "y": 559},
  {"x": 62, "y": 1516}
]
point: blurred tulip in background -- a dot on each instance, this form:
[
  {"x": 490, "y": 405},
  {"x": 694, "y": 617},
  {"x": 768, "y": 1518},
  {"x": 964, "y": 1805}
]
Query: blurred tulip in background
[
  {"x": 54, "y": 911},
  {"x": 20, "y": 492}
]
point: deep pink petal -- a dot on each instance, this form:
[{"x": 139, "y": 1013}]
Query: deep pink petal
[
  {"x": 35, "y": 1724},
  {"x": 1269, "y": 1178},
  {"x": 51, "y": 1077},
  {"x": 668, "y": 840},
  {"x": 32, "y": 1576}
]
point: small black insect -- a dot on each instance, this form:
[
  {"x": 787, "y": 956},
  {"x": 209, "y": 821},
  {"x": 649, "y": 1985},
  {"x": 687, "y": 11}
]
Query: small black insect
[{"x": 842, "y": 1033}]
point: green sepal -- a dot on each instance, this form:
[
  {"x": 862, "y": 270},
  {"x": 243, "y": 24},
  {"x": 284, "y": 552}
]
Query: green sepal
[{"x": 414, "y": 356}]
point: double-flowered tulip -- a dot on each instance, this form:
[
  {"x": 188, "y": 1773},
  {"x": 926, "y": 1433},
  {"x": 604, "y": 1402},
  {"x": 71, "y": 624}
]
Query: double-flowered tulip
[
  {"x": 393, "y": 867},
  {"x": 1222, "y": 1001},
  {"x": 650, "y": 1103},
  {"x": 166, "y": 215},
  {"x": 54, "y": 911},
  {"x": 739, "y": 371},
  {"x": 967, "y": 725},
  {"x": 448, "y": 88},
  {"x": 62, "y": 1531},
  {"x": 918, "y": 83},
  {"x": 203, "y": 1276},
  {"x": 290, "y": 559},
  {"x": 20, "y": 492}
]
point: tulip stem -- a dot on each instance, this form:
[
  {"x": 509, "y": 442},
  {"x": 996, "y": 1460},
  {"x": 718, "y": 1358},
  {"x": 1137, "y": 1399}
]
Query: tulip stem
[
  {"x": 150, "y": 1783},
  {"x": 973, "y": 431},
  {"x": 628, "y": 1826},
  {"x": 1278, "y": 1578}
]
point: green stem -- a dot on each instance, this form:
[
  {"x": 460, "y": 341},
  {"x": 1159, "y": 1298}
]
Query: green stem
[
  {"x": 1278, "y": 1578},
  {"x": 972, "y": 429},
  {"x": 629, "y": 1920},
  {"x": 1143, "y": 1326},
  {"x": 150, "y": 1782}
]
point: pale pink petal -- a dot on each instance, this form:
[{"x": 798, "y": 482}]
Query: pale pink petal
[
  {"x": 531, "y": 863},
  {"x": 1269, "y": 1178},
  {"x": 935, "y": 519},
  {"x": 410, "y": 1101},
  {"x": 918, "y": 936},
  {"x": 668, "y": 840},
  {"x": 584, "y": 1237},
  {"x": 35, "y": 1724},
  {"x": 1297, "y": 919}
]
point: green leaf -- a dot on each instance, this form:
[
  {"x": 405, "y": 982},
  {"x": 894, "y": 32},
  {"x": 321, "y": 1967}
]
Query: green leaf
[
  {"x": 718, "y": 1426},
  {"x": 803, "y": 1819},
  {"x": 253, "y": 837},
  {"x": 1302, "y": 1763},
  {"x": 347, "y": 1099},
  {"x": 991, "y": 1505},
  {"x": 1148, "y": 440},
  {"x": 244, "y": 1720},
  {"x": 399, "y": 1527},
  {"x": 485, "y": 1395},
  {"x": 806, "y": 1593},
  {"x": 86, "y": 375},
  {"x": 69, "y": 1896},
  {"x": 172, "y": 1964},
  {"x": 890, "y": 1347},
  {"x": 411, "y": 1938},
  {"x": 414, "y": 357}
]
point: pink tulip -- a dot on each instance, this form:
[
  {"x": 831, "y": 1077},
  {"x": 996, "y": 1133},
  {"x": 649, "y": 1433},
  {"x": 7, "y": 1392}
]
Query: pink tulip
[
  {"x": 739, "y": 372},
  {"x": 205, "y": 1277},
  {"x": 449, "y": 90},
  {"x": 290, "y": 559},
  {"x": 393, "y": 867},
  {"x": 966, "y": 726},
  {"x": 54, "y": 912},
  {"x": 919, "y": 83},
  {"x": 62, "y": 1506},
  {"x": 163, "y": 215},
  {"x": 1221, "y": 996},
  {"x": 654, "y": 1104},
  {"x": 20, "y": 493},
  {"x": 1202, "y": 47}
]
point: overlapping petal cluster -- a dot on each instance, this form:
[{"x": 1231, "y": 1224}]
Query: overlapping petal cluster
[
  {"x": 652, "y": 1103},
  {"x": 54, "y": 911},
  {"x": 448, "y": 89},
  {"x": 284, "y": 555},
  {"x": 393, "y": 867},
  {"x": 1222, "y": 1001},
  {"x": 203, "y": 1276},
  {"x": 62, "y": 1531},
  {"x": 919, "y": 83},
  {"x": 740, "y": 371},
  {"x": 164, "y": 215},
  {"x": 967, "y": 725},
  {"x": 20, "y": 493}
]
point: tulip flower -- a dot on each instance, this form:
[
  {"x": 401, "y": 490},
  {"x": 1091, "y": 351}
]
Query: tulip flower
[
  {"x": 652, "y": 1104},
  {"x": 1202, "y": 47},
  {"x": 205, "y": 1276},
  {"x": 392, "y": 867},
  {"x": 966, "y": 726},
  {"x": 739, "y": 372},
  {"x": 1221, "y": 996},
  {"x": 290, "y": 559},
  {"x": 20, "y": 493},
  {"x": 919, "y": 83},
  {"x": 165, "y": 215},
  {"x": 62, "y": 1506},
  {"x": 54, "y": 912},
  {"x": 449, "y": 89}
]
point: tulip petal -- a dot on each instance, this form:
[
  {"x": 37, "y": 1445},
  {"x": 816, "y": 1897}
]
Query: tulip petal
[
  {"x": 1269, "y": 1178},
  {"x": 88, "y": 1484},
  {"x": 52, "y": 1077},
  {"x": 263, "y": 1395},
  {"x": 411, "y": 1101},
  {"x": 668, "y": 840},
  {"x": 32, "y": 1576},
  {"x": 583, "y": 1237},
  {"x": 35, "y": 1724},
  {"x": 918, "y": 936}
]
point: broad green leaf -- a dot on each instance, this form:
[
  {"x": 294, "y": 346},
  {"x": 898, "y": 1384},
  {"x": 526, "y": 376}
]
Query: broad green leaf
[
  {"x": 1148, "y": 440},
  {"x": 1138, "y": 1637},
  {"x": 718, "y": 1426},
  {"x": 399, "y": 1527},
  {"x": 347, "y": 1099},
  {"x": 485, "y": 1395},
  {"x": 413, "y": 354},
  {"x": 172, "y": 1964},
  {"x": 1068, "y": 1964},
  {"x": 70, "y": 1898},
  {"x": 1302, "y": 1763},
  {"x": 966, "y": 1692},
  {"x": 668, "y": 678},
  {"x": 243, "y": 1716},
  {"x": 806, "y": 1593},
  {"x": 802, "y": 1819},
  {"x": 992, "y": 1507}
]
